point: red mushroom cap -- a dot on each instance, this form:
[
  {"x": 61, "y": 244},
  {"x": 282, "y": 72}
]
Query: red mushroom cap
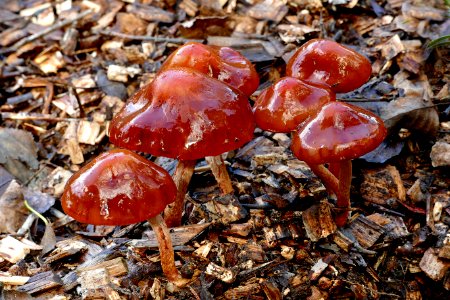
[
  {"x": 223, "y": 63},
  {"x": 325, "y": 61},
  {"x": 339, "y": 131},
  {"x": 287, "y": 103},
  {"x": 118, "y": 187},
  {"x": 184, "y": 114}
]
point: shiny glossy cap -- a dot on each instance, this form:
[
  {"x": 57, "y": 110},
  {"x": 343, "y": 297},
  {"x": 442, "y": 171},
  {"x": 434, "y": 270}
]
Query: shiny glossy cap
[
  {"x": 222, "y": 63},
  {"x": 327, "y": 62},
  {"x": 339, "y": 131},
  {"x": 186, "y": 115},
  {"x": 284, "y": 105},
  {"x": 118, "y": 187}
]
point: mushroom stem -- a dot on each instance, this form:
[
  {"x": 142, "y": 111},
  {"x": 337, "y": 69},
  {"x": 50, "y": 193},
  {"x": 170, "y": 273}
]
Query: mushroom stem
[
  {"x": 343, "y": 196},
  {"x": 220, "y": 172},
  {"x": 328, "y": 178},
  {"x": 182, "y": 177},
  {"x": 166, "y": 250}
]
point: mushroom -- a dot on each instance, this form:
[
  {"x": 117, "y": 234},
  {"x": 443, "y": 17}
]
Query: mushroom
[
  {"x": 287, "y": 103},
  {"x": 222, "y": 63},
  {"x": 226, "y": 65},
  {"x": 120, "y": 187},
  {"x": 327, "y": 62},
  {"x": 338, "y": 133},
  {"x": 186, "y": 115}
]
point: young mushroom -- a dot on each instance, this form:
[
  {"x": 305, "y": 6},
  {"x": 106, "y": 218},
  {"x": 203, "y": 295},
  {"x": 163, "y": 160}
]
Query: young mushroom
[
  {"x": 287, "y": 103},
  {"x": 120, "y": 187},
  {"x": 222, "y": 63},
  {"x": 226, "y": 65},
  {"x": 338, "y": 133},
  {"x": 327, "y": 62},
  {"x": 186, "y": 115}
]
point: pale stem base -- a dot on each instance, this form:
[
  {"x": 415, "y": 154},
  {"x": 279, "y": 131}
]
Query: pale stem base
[
  {"x": 166, "y": 251},
  {"x": 220, "y": 172},
  {"x": 182, "y": 177}
]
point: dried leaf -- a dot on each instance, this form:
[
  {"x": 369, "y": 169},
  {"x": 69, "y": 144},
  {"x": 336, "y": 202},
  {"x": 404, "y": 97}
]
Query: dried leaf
[
  {"x": 12, "y": 211},
  {"x": 18, "y": 152}
]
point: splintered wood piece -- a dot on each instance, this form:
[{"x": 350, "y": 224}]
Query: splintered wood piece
[
  {"x": 14, "y": 280},
  {"x": 318, "y": 221},
  {"x": 276, "y": 233},
  {"x": 394, "y": 226},
  {"x": 366, "y": 231},
  {"x": 116, "y": 267},
  {"x": 13, "y": 250},
  {"x": 221, "y": 273},
  {"x": 271, "y": 291},
  {"x": 242, "y": 291},
  {"x": 380, "y": 185},
  {"x": 95, "y": 284},
  {"x": 342, "y": 241},
  {"x": 157, "y": 290},
  {"x": 432, "y": 265},
  {"x": 320, "y": 266},
  {"x": 444, "y": 252},
  {"x": 41, "y": 282},
  {"x": 225, "y": 209},
  {"x": 179, "y": 235},
  {"x": 66, "y": 248},
  {"x": 88, "y": 132},
  {"x": 253, "y": 252}
]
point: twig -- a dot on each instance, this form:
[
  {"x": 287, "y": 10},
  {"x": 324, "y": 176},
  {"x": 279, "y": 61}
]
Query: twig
[
  {"x": 34, "y": 117},
  {"x": 47, "y": 30},
  {"x": 147, "y": 38}
]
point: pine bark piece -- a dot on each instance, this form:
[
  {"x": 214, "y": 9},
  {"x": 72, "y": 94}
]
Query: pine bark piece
[
  {"x": 179, "y": 235},
  {"x": 41, "y": 282},
  {"x": 318, "y": 221},
  {"x": 221, "y": 273},
  {"x": 271, "y": 291},
  {"x": 380, "y": 185},
  {"x": 432, "y": 265},
  {"x": 66, "y": 248},
  {"x": 366, "y": 231},
  {"x": 243, "y": 291}
]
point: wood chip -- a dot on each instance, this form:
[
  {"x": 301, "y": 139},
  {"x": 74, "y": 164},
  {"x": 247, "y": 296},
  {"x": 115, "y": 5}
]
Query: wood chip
[
  {"x": 380, "y": 185},
  {"x": 432, "y": 265},
  {"x": 224, "y": 274},
  {"x": 318, "y": 221},
  {"x": 179, "y": 236},
  {"x": 13, "y": 250},
  {"x": 366, "y": 231}
]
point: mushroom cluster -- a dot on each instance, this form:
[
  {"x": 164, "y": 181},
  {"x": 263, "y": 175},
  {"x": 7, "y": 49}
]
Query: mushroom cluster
[
  {"x": 196, "y": 107},
  {"x": 324, "y": 131}
]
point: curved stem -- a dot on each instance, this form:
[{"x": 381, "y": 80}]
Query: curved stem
[
  {"x": 166, "y": 250},
  {"x": 182, "y": 177},
  {"x": 343, "y": 196},
  {"x": 220, "y": 172},
  {"x": 334, "y": 168},
  {"x": 328, "y": 178}
]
